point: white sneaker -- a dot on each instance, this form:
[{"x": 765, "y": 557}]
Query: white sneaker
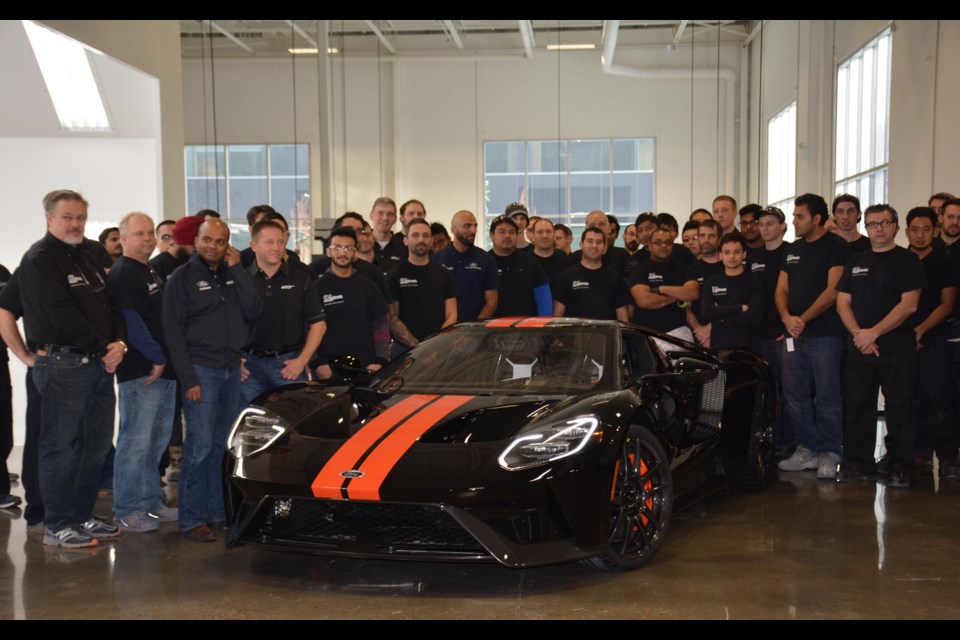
[
  {"x": 801, "y": 459},
  {"x": 827, "y": 465}
]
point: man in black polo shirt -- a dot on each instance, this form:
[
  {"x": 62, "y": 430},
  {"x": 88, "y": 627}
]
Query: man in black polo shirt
[
  {"x": 424, "y": 293},
  {"x": 545, "y": 250},
  {"x": 877, "y": 295},
  {"x": 209, "y": 307},
  {"x": 77, "y": 344},
  {"x": 588, "y": 289},
  {"x": 662, "y": 288},
  {"x": 357, "y": 316},
  {"x": 147, "y": 384},
  {"x": 934, "y": 427},
  {"x": 291, "y": 325},
  {"x": 524, "y": 286},
  {"x": 614, "y": 258},
  {"x": 708, "y": 264}
]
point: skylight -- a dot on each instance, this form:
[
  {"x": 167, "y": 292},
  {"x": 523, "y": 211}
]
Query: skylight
[{"x": 69, "y": 78}]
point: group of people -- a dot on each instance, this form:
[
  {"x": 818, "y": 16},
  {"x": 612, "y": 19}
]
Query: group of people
[{"x": 192, "y": 326}]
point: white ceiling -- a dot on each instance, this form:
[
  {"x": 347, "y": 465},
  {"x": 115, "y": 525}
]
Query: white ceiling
[{"x": 445, "y": 38}]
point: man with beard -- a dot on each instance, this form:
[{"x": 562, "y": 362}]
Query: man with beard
[
  {"x": 630, "y": 242},
  {"x": 812, "y": 350},
  {"x": 209, "y": 307},
  {"x": 184, "y": 235},
  {"x": 749, "y": 219},
  {"x": 708, "y": 235},
  {"x": 424, "y": 293},
  {"x": 524, "y": 286},
  {"x": 357, "y": 315},
  {"x": 934, "y": 427},
  {"x": 110, "y": 239},
  {"x": 846, "y": 213},
  {"x": 588, "y": 290},
  {"x": 409, "y": 210},
  {"x": 473, "y": 269},
  {"x": 936, "y": 202}
]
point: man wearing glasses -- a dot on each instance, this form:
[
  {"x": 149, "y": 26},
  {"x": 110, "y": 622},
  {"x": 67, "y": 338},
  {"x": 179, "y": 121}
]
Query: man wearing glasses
[
  {"x": 661, "y": 288},
  {"x": 877, "y": 295},
  {"x": 749, "y": 221},
  {"x": 356, "y": 313},
  {"x": 165, "y": 235}
]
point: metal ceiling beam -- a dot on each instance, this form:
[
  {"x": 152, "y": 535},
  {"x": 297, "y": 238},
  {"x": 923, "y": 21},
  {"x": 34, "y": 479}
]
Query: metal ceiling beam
[
  {"x": 680, "y": 29},
  {"x": 452, "y": 32},
  {"x": 231, "y": 37},
  {"x": 303, "y": 34},
  {"x": 383, "y": 38}
]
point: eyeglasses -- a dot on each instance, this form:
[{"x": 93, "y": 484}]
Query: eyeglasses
[
  {"x": 876, "y": 224},
  {"x": 166, "y": 237},
  {"x": 748, "y": 223},
  {"x": 342, "y": 248}
]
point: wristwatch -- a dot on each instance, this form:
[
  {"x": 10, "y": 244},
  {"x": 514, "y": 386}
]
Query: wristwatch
[
  {"x": 655, "y": 290},
  {"x": 124, "y": 345}
]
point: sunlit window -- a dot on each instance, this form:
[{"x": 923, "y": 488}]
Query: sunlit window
[{"x": 782, "y": 160}]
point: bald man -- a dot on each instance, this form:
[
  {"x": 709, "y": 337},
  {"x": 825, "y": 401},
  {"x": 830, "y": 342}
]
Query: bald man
[{"x": 474, "y": 270}]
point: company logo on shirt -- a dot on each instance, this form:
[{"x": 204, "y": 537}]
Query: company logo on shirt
[
  {"x": 152, "y": 286},
  {"x": 284, "y": 287},
  {"x": 860, "y": 271},
  {"x": 228, "y": 282},
  {"x": 474, "y": 266},
  {"x": 758, "y": 266},
  {"x": 409, "y": 282},
  {"x": 447, "y": 267},
  {"x": 75, "y": 281},
  {"x": 792, "y": 259},
  {"x": 718, "y": 291},
  {"x": 329, "y": 299},
  {"x": 654, "y": 277},
  {"x": 581, "y": 284},
  {"x": 203, "y": 285}
]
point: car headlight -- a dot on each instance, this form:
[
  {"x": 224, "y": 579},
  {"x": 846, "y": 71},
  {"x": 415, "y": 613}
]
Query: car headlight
[
  {"x": 548, "y": 443},
  {"x": 254, "y": 430}
]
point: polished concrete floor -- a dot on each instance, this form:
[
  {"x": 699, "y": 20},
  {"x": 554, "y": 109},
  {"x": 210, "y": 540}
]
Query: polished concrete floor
[{"x": 803, "y": 549}]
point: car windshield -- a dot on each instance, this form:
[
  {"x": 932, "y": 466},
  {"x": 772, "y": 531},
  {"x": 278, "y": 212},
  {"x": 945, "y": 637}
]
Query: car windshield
[{"x": 478, "y": 359}]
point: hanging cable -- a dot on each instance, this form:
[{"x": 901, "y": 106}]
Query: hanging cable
[
  {"x": 760, "y": 128},
  {"x": 693, "y": 43},
  {"x": 719, "y": 164},
  {"x": 213, "y": 99},
  {"x": 380, "y": 114}
]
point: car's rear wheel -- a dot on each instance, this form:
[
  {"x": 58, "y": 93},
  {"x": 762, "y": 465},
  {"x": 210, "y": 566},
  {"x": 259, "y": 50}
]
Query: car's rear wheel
[
  {"x": 642, "y": 503},
  {"x": 759, "y": 464}
]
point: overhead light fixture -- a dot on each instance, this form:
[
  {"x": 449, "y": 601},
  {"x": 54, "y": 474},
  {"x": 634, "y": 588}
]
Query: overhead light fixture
[
  {"x": 298, "y": 51},
  {"x": 570, "y": 47},
  {"x": 69, "y": 78}
]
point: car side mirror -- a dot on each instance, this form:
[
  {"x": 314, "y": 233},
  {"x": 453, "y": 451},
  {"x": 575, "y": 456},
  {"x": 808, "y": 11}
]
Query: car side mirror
[
  {"x": 687, "y": 371},
  {"x": 347, "y": 366}
]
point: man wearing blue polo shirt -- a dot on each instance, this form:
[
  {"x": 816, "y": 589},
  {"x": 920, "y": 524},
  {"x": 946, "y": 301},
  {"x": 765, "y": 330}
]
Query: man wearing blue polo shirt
[{"x": 474, "y": 270}]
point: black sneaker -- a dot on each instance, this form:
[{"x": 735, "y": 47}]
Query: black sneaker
[
  {"x": 852, "y": 471},
  {"x": 898, "y": 480},
  {"x": 9, "y": 501}
]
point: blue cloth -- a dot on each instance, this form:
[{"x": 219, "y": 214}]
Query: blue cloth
[
  {"x": 811, "y": 387},
  {"x": 544, "y": 300},
  {"x": 146, "y": 420},
  {"x": 208, "y": 424},
  {"x": 140, "y": 338},
  {"x": 76, "y": 431},
  {"x": 265, "y": 375}
]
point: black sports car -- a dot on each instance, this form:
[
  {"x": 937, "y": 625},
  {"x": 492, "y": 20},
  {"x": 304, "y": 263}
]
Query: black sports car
[{"x": 525, "y": 441}]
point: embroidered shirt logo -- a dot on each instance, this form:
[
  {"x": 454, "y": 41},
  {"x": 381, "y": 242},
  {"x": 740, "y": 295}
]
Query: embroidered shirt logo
[
  {"x": 329, "y": 298},
  {"x": 581, "y": 284},
  {"x": 860, "y": 271},
  {"x": 203, "y": 285},
  {"x": 792, "y": 259},
  {"x": 409, "y": 282}
]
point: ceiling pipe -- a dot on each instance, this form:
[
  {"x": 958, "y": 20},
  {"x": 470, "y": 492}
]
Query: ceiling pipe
[
  {"x": 680, "y": 29},
  {"x": 526, "y": 32},
  {"x": 383, "y": 38},
  {"x": 303, "y": 34},
  {"x": 608, "y": 38},
  {"x": 452, "y": 33},
  {"x": 235, "y": 40}
]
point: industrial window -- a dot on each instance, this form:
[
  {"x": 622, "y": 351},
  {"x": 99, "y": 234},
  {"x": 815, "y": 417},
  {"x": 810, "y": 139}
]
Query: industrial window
[
  {"x": 782, "y": 160},
  {"x": 232, "y": 178},
  {"x": 863, "y": 121},
  {"x": 564, "y": 180}
]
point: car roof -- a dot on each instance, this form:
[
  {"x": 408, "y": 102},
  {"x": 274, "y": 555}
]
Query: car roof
[{"x": 533, "y": 322}]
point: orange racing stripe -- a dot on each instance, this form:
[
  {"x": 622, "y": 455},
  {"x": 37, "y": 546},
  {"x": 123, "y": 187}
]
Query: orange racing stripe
[
  {"x": 384, "y": 458},
  {"x": 532, "y": 323},
  {"x": 328, "y": 482},
  {"x": 503, "y": 322}
]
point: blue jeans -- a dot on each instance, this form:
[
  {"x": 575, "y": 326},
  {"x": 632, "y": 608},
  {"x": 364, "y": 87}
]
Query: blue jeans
[
  {"x": 77, "y": 407},
  {"x": 265, "y": 375},
  {"x": 812, "y": 390},
  {"x": 146, "y": 419},
  {"x": 207, "y": 425}
]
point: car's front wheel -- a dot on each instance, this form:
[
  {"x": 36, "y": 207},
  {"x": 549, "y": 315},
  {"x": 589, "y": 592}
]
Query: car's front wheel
[{"x": 642, "y": 503}]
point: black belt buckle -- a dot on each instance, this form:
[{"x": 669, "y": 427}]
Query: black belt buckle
[{"x": 272, "y": 354}]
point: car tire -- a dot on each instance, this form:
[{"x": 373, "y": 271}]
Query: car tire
[
  {"x": 642, "y": 505},
  {"x": 758, "y": 469}
]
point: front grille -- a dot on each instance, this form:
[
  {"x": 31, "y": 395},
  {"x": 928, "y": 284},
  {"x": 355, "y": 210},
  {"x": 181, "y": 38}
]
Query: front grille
[
  {"x": 361, "y": 527},
  {"x": 711, "y": 400}
]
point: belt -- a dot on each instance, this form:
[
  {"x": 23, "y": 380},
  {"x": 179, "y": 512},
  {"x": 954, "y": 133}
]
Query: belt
[
  {"x": 59, "y": 348},
  {"x": 273, "y": 354}
]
